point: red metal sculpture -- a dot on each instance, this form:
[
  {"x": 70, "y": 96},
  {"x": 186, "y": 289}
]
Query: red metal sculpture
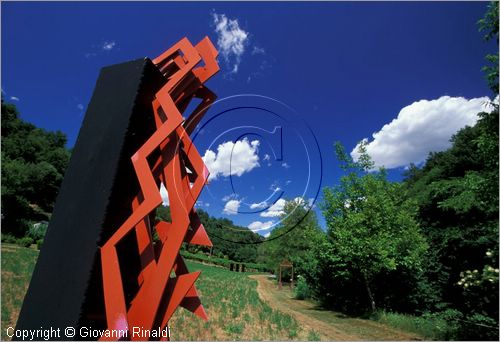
[{"x": 167, "y": 157}]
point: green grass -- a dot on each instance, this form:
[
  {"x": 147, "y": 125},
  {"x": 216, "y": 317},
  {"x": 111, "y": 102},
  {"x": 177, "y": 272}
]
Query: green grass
[
  {"x": 249, "y": 267},
  {"x": 313, "y": 336},
  {"x": 230, "y": 299},
  {"x": 431, "y": 328},
  {"x": 235, "y": 311},
  {"x": 17, "y": 266}
]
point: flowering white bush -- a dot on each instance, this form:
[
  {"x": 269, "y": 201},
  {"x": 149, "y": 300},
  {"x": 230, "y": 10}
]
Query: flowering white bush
[{"x": 470, "y": 278}]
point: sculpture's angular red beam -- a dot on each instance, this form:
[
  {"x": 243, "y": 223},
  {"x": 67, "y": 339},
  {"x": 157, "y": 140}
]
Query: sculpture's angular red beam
[{"x": 159, "y": 294}]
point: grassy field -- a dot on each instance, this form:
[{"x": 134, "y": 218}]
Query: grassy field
[
  {"x": 235, "y": 311},
  {"x": 230, "y": 299},
  {"x": 17, "y": 265}
]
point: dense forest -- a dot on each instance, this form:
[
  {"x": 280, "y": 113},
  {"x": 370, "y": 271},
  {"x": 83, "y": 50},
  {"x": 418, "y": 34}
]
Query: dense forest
[
  {"x": 33, "y": 165},
  {"x": 229, "y": 241}
]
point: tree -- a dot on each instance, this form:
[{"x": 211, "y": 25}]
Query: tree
[
  {"x": 229, "y": 240},
  {"x": 489, "y": 24},
  {"x": 371, "y": 227},
  {"x": 293, "y": 238},
  {"x": 33, "y": 164},
  {"x": 456, "y": 192}
]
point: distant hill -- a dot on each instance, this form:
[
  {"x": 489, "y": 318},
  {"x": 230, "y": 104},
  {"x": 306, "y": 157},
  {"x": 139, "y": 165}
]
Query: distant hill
[{"x": 231, "y": 241}]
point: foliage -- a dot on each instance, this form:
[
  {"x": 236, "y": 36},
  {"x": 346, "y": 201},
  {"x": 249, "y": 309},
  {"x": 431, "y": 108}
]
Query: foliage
[
  {"x": 8, "y": 238},
  {"x": 302, "y": 290},
  {"x": 223, "y": 262},
  {"x": 38, "y": 230},
  {"x": 457, "y": 200},
  {"x": 25, "y": 241},
  {"x": 489, "y": 24},
  {"x": 230, "y": 241},
  {"x": 428, "y": 326},
  {"x": 33, "y": 164},
  {"x": 456, "y": 192},
  {"x": 449, "y": 324},
  {"x": 313, "y": 336},
  {"x": 372, "y": 236},
  {"x": 163, "y": 213},
  {"x": 293, "y": 238}
]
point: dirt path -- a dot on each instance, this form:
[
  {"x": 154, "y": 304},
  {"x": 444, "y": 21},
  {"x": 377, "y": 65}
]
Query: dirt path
[{"x": 330, "y": 325}]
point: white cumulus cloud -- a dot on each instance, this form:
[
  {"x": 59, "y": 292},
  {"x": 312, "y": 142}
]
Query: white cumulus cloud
[
  {"x": 257, "y": 226},
  {"x": 232, "y": 158},
  {"x": 420, "y": 128},
  {"x": 231, "y": 207},
  {"x": 260, "y": 205},
  {"x": 275, "y": 210},
  {"x": 14, "y": 98},
  {"x": 231, "y": 39}
]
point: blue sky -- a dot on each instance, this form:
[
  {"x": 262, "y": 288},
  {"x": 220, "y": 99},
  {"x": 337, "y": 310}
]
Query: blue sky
[{"x": 409, "y": 71}]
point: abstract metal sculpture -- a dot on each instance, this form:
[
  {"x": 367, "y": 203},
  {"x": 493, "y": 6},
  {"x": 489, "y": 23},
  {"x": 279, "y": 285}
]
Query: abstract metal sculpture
[
  {"x": 100, "y": 264},
  {"x": 180, "y": 168}
]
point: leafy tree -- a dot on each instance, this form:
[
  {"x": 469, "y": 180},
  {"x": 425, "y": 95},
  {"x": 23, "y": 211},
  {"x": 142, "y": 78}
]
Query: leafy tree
[
  {"x": 371, "y": 227},
  {"x": 33, "y": 164},
  {"x": 489, "y": 24},
  {"x": 293, "y": 238},
  {"x": 457, "y": 200}
]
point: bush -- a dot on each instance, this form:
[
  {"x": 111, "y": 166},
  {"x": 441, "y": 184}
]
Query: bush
[
  {"x": 37, "y": 231},
  {"x": 445, "y": 325},
  {"x": 9, "y": 238},
  {"x": 302, "y": 291},
  {"x": 222, "y": 262},
  {"x": 478, "y": 327},
  {"x": 25, "y": 241},
  {"x": 39, "y": 244},
  {"x": 428, "y": 325}
]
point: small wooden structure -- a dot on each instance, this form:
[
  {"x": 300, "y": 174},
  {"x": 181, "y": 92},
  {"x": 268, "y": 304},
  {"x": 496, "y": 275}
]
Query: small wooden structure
[
  {"x": 285, "y": 264},
  {"x": 237, "y": 267}
]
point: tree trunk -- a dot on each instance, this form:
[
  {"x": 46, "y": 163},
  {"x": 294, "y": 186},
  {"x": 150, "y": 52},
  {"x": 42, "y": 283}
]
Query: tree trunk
[{"x": 370, "y": 296}]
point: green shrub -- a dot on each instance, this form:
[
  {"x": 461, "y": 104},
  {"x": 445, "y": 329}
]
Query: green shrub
[
  {"x": 25, "y": 241},
  {"x": 313, "y": 336},
  {"x": 461, "y": 327},
  {"x": 302, "y": 290},
  {"x": 9, "y": 238},
  {"x": 222, "y": 261},
  {"x": 39, "y": 244},
  {"x": 479, "y": 327},
  {"x": 429, "y": 326},
  {"x": 445, "y": 325},
  {"x": 38, "y": 230},
  {"x": 450, "y": 322}
]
